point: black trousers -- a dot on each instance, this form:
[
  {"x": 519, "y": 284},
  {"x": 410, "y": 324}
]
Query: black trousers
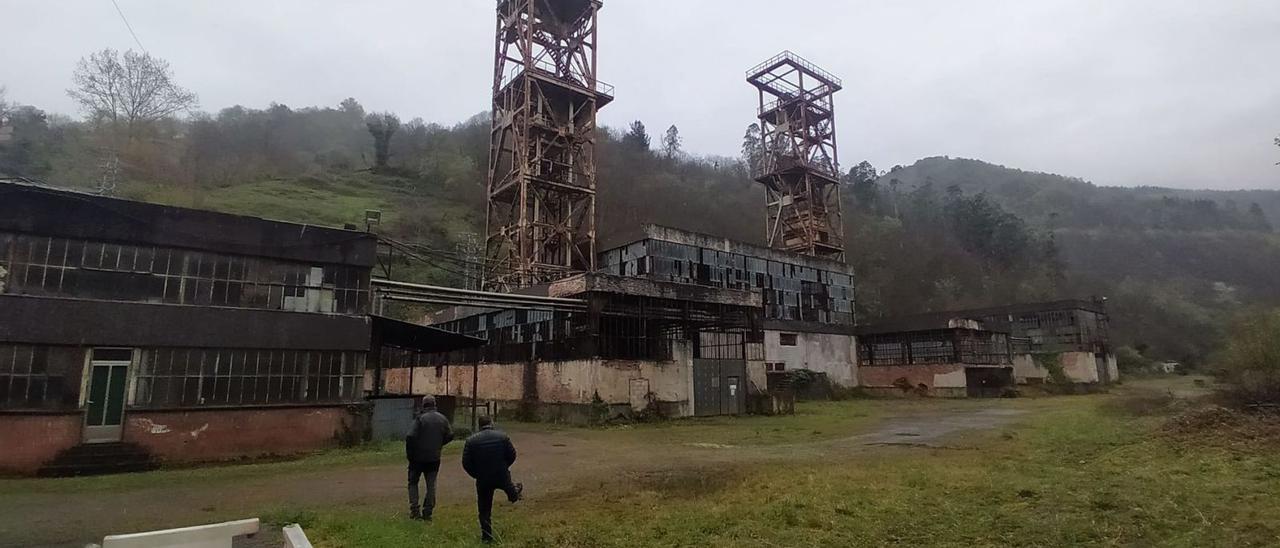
[
  {"x": 429, "y": 471},
  {"x": 484, "y": 500}
]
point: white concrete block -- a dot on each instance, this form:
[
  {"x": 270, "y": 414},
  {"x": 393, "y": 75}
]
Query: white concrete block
[{"x": 218, "y": 535}]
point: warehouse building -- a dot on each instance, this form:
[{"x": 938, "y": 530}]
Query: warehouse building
[
  {"x": 133, "y": 334},
  {"x": 935, "y": 356}
]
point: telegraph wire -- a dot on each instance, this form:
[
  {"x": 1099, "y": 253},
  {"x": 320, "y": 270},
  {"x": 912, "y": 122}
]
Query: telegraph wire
[{"x": 130, "y": 27}]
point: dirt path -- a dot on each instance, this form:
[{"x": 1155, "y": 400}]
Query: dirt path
[{"x": 548, "y": 462}]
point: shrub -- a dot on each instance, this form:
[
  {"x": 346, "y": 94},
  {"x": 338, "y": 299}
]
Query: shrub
[
  {"x": 1250, "y": 360},
  {"x": 1131, "y": 360}
]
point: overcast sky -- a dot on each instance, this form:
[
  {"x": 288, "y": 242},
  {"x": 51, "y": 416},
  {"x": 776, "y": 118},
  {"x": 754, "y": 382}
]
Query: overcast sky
[{"x": 1182, "y": 93}]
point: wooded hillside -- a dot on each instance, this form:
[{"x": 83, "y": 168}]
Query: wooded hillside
[{"x": 939, "y": 234}]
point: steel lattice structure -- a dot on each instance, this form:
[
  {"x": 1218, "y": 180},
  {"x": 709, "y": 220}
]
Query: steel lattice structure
[
  {"x": 542, "y": 173},
  {"x": 799, "y": 165}
]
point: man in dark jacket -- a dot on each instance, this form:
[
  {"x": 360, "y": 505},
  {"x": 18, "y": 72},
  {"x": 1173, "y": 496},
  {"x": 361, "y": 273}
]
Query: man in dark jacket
[
  {"x": 422, "y": 445},
  {"x": 487, "y": 457}
]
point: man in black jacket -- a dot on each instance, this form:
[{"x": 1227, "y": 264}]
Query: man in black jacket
[
  {"x": 422, "y": 445},
  {"x": 487, "y": 457}
]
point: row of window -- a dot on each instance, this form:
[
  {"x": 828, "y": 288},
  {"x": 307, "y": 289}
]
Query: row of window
[
  {"x": 196, "y": 377},
  {"x": 38, "y": 265},
  {"x": 791, "y": 292},
  {"x": 36, "y": 377},
  {"x": 930, "y": 349},
  {"x": 39, "y": 377}
]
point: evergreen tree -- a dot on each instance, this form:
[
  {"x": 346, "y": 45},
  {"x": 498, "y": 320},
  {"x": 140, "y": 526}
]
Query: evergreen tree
[{"x": 637, "y": 137}]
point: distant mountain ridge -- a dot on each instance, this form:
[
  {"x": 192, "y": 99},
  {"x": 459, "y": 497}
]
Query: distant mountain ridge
[{"x": 1037, "y": 196}]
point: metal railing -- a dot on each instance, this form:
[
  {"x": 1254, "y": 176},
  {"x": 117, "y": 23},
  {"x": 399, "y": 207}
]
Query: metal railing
[
  {"x": 547, "y": 68},
  {"x": 798, "y": 61},
  {"x": 813, "y": 98}
]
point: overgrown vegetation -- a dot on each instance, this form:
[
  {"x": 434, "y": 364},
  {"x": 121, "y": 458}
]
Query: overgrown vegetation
[
  {"x": 1132, "y": 361},
  {"x": 1250, "y": 360}
]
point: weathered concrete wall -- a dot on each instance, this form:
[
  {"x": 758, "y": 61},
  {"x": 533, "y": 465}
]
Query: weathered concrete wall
[
  {"x": 197, "y": 435},
  {"x": 28, "y": 441},
  {"x": 944, "y": 380},
  {"x": 1026, "y": 370},
  {"x": 564, "y": 382},
  {"x": 1080, "y": 367},
  {"x": 835, "y": 355}
]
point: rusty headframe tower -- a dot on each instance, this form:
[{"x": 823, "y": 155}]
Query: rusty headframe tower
[
  {"x": 799, "y": 165},
  {"x": 542, "y": 170}
]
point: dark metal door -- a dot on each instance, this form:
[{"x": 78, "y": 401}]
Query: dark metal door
[
  {"x": 706, "y": 388},
  {"x": 733, "y": 389},
  {"x": 718, "y": 387}
]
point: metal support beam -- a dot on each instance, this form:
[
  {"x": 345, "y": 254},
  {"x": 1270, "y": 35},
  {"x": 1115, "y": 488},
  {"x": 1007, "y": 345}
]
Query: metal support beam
[
  {"x": 541, "y": 219},
  {"x": 800, "y": 165}
]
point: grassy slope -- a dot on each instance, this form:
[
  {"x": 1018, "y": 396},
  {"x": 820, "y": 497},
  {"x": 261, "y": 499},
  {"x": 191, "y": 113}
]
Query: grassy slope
[
  {"x": 1075, "y": 474},
  {"x": 332, "y": 200},
  {"x": 411, "y": 210}
]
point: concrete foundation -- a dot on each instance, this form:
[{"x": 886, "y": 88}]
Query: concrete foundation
[
  {"x": 938, "y": 380},
  {"x": 558, "y": 386},
  {"x": 1078, "y": 367},
  {"x": 30, "y": 440},
  {"x": 197, "y": 435}
]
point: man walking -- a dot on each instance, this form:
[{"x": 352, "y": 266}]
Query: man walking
[
  {"x": 422, "y": 445},
  {"x": 487, "y": 457}
]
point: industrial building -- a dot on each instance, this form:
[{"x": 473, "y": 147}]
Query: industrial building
[
  {"x": 934, "y": 356},
  {"x": 133, "y": 334},
  {"x": 1062, "y": 342},
  {"x": 677, "y": 323},
  {"x": 1072, "y": 337}
]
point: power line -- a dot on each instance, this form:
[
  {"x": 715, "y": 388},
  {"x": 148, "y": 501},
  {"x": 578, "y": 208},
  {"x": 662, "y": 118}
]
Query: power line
[{"x": 130, "y": 27}]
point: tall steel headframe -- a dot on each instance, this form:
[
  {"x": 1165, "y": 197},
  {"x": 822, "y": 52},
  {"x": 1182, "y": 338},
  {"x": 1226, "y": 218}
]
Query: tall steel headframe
[
  {"x": 542, "y": 171},
  {"x": 799, "y": 165}
]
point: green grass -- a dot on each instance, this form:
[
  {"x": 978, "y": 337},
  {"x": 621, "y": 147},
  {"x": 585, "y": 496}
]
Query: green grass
[
  {"x": 1076, "y": 473},
  {"x": 390, "y": 452}
]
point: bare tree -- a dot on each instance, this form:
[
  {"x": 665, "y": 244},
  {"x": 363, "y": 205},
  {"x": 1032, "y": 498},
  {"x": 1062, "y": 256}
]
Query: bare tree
[
  {"x": 382, "y": 126},
  {"x": 753, "y": 149},
  {"x": 671, "y": 142},
  {"x": 132, "y": 90}
]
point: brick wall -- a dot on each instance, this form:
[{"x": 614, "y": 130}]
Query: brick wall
[
  {"x": 28, "y": 441},
  {"x": 225, "y": 434}
]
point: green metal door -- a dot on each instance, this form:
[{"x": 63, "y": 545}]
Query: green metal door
[{"x": 104, "y": 407}]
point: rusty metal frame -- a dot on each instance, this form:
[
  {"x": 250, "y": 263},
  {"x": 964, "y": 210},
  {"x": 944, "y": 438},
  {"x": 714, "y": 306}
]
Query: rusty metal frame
[
  {"x": 800, "y": 169},
  {"x": 541, "y": 218}
]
